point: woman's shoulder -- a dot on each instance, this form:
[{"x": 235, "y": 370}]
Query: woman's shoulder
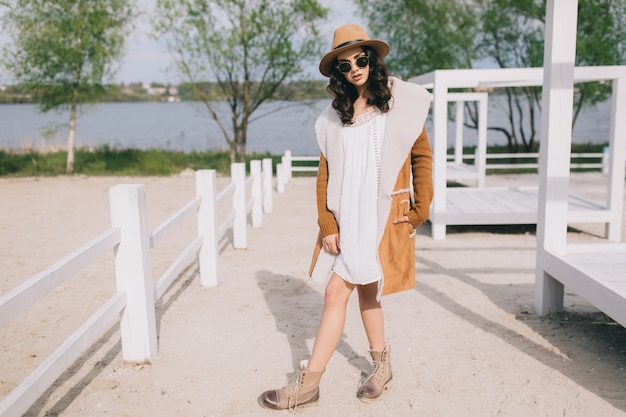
[
  {"x": 327, "y": 115},
  {"x": 409, "y": 105},
  {"x": 328, "y": 110},
  {"x": 399, "y": 86}
]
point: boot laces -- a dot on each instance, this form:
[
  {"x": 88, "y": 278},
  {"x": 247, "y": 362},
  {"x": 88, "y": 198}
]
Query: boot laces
[
  {"x": 376, "y": 373},
  {"x": 292, "y": 391}
]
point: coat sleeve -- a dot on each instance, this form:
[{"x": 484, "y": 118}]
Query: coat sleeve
[
  {"x": 422, "y": 172},
  {"x": 325, "y": 218}
]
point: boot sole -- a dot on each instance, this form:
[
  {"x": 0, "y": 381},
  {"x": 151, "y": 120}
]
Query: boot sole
[
  {"x": 269, "y": 407},
  {"x": 386, "y": 387}
]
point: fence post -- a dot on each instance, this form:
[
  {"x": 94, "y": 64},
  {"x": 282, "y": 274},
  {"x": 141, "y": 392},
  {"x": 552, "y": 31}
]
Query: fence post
[
  {"x": 280, "y": 178},
  {"x": 133, "y": 272},
  {"x": 267, "y": 185},
  {"x": 458, "y": 141},
  {"x": 605, "y": 160},
  {"x": 207, "y": 227},
  {"x": 257, "y": 194},
  {"x": 287, "y": 166},
  {"x": 238, "y": 176}
]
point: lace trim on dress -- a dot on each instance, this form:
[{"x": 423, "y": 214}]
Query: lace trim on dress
[
  {"x": 365, "y": 118},
  {"x": 376, "y": 150}
]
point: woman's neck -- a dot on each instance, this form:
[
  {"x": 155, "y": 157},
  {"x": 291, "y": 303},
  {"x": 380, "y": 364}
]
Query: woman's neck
[
  {"x": 362, "y": 91},
  {"x": 361, "y": 105}
]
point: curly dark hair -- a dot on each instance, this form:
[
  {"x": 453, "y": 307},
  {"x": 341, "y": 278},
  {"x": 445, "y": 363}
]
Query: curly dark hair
[{"x": 345, "y": 93}]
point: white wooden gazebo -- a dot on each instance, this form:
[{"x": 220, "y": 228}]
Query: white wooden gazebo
[
  {"x": 506, "y": 205},
  {"x": 597, "y": 271},
  {"x": 457, "y": 169}
]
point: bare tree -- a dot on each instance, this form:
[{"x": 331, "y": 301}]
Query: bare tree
[{"x": 249, "y": 48}]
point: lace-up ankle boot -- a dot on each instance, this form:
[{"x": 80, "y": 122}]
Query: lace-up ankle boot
[
  {"x": 303, "y": 392},
  {"x": 380, "y": 377}
]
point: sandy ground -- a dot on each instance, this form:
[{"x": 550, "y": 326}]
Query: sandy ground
[{"x": 465, "y": 342}]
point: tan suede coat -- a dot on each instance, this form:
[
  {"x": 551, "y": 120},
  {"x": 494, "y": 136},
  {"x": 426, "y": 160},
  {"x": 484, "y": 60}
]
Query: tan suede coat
[{"x": 405, "y": 186}]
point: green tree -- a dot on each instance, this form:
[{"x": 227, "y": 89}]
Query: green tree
[
  {"x": 512, "y": 36},
  {"x": 249, "y": 48},
  {"x": 63, "y": 49},
  {"x": 601, "y": 40},
  {"x": 426, "y": 35}
]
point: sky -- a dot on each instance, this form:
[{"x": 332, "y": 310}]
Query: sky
[{"x": 147, "y": 60}]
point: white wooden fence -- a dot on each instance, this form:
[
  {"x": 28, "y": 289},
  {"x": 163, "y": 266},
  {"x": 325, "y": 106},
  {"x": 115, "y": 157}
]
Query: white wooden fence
[
  {"x": 291, "y": 163},
  {"x": 136, "y": 294},
  {"x": 602, "y": 165},
  {"x": 286, "y": 167}
]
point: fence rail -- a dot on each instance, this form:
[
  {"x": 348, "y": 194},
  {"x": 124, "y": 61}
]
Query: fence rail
[
  {"x": 293, "y": 163},
  {"x": 598, "y": 156},
  {"x": 136, "y": 291}
]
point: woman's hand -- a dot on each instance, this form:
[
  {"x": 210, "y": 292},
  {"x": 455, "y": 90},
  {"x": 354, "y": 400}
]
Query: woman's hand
[
  {"x": 330, "y": 243},
  {"x": 403, "y": 219}
]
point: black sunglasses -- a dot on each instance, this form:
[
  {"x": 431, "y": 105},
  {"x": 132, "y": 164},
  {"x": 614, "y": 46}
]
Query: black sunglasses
[{"x": 361, "y": 62}]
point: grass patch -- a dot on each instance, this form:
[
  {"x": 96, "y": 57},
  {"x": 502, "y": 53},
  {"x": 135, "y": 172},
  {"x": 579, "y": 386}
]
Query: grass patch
[
  {"x": 109, "y": 161},
  {"x": 117, "y": 162}
]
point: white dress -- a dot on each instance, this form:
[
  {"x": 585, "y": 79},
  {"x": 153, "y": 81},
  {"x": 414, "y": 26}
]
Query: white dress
[{"x": 358, "y": 262}]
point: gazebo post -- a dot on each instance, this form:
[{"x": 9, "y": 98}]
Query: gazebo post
[
  {"x": 439, "y": 143},
  {"x": 555, "y": 148}
]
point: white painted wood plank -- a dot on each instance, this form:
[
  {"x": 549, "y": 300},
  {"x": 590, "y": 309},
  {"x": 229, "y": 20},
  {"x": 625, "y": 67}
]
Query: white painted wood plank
[
  {"x": 187, "y": 256},
  {"x": 22, "y": 297},
  {"x": 514, "y": 205},
  {"x": 133, "y": 272},
  {"x": 493, "y": 201},
  {"x": 267, "y": 184},
  {"x": 22, "y": 397},
  {"x": 617, "y": 157},
  {"x": 225, "y": 193},
  {"x": 238, "y": 176},
  {"x": 607, "y": 269},
  {"x": 207, "y": 227},
  {"x": 576, "y": 202},
  {"x": 456, "y": 171},
  {"x": 165, "y": 228},
  {"x": 589, "y": 248},
  {"x": 511, "y": 77},
  {"x": 607, "y": 293},
  {"x": 439, "y": 145},
  {"x": 226, "y": 223}
]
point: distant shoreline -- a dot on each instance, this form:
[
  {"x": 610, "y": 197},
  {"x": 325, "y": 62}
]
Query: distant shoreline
[
  {"x": 157, "y": 92},
  {"x": 107, "y": 160}
]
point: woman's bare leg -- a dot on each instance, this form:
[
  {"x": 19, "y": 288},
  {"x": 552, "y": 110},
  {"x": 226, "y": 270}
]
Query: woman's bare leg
[
  {"x": 332, "y": 322},
  {"x": 372, "y": 316}
]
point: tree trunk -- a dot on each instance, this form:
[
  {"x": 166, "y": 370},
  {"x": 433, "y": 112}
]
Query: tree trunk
[
  {"x": 233, "y": 152},
  {"x": 69, "y": 167},
  {"x": 242, "y": 152}
]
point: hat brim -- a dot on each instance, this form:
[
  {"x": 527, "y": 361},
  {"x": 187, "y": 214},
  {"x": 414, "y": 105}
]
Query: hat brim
[{"x": 381, "y": 48}]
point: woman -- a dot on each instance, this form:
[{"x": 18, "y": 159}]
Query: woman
[{"x": 374, "y": 187}]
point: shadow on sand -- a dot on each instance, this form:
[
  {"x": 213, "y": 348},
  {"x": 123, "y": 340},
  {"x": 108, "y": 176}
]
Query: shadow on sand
[
  {"x": 112, "y": 338},
  {"x": 296, "y": 308},
  {"x": 594, "y": 344},
  {"x": 182, "y": 282}
]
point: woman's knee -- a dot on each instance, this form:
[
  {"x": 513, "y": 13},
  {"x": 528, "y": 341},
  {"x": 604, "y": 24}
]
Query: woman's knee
[
  {"x": 337, "y": 291},
  {"x": 368, "y": 291},
  {"x": 367, "y": 294}
]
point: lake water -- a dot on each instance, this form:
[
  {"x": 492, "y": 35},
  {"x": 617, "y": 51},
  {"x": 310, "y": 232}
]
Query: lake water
[{"x": 186, "y": 126}]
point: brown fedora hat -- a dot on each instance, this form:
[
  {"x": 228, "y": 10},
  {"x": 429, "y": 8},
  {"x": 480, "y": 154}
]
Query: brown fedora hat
[{"x": 346, "y": 37}]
